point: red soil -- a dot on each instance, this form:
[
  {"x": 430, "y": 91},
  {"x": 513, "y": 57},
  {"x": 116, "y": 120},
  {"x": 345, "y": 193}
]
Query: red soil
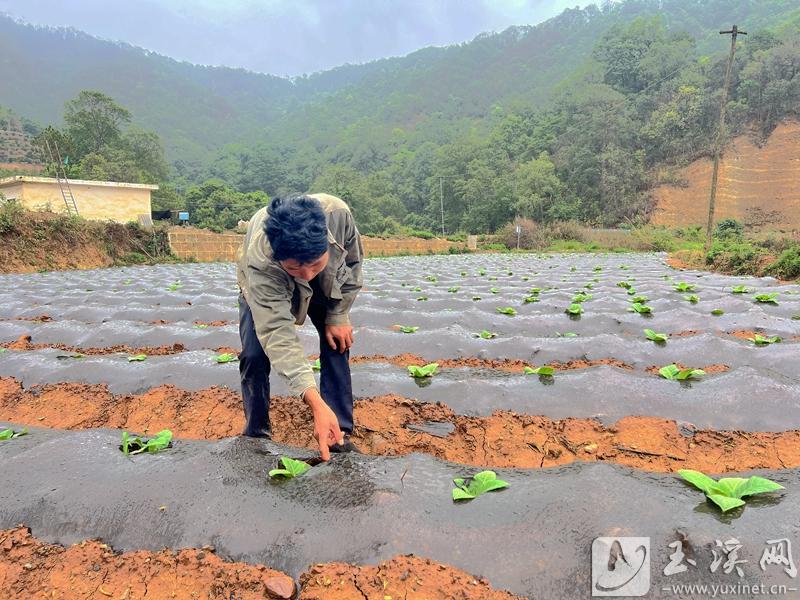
[{"x": 502, "y": 439}]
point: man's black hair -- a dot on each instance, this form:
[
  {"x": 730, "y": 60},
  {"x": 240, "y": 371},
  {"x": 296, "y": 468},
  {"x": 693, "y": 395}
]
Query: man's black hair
[{"x": 296, "y": 229}]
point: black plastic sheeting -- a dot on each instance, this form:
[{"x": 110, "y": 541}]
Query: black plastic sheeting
[{"x": 533, "y": 538}]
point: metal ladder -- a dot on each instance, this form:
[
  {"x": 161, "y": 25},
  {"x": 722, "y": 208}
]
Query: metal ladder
[{"x": 61, "y": 177}]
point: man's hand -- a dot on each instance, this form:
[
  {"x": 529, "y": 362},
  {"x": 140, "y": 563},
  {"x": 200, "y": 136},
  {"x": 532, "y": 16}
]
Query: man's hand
[
  {"x": 326, "y": 425},
  {"x": 340, "y": 337}
]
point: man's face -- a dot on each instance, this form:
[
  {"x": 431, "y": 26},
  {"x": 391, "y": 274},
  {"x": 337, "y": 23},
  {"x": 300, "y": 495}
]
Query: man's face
[{"x": 305, "y": 271}]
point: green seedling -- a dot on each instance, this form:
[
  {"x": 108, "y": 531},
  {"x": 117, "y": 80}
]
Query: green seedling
[
  {"x": 494, "y": 290},
  {"x": 10, "y": 434},
  {"x": 225, "y": 357},
  {"x": 506, "y": 310},
  {"x": 201, "y": 326},
  {"x": 693, "y": 298},
  {"x": 640, "y": 299},
  {"x": 422, "y": 298},
  {"x": 589, "y": 286},
  {"x": 684, "y": 287},
  {"x": 717, "y": 312},
  {"x": 529, "y": 299},
  {"x": 417, "y": 289},
  {"x": 74, "y": 355},
  {"x": 316, "y": 365},
  {"x": 431, "y": 278},
  {"x": 624, "y": 284},
  {"x": 525, "y": 278},
  {"x": 631, "y": 292},
  {"x": 482, "y": 272},
  {"x": 740, "y": 289},
  {"x": 573, "y": 269},
  {"x": 795, "y": 317},
  {"x": 137, "y": 445},
  {"x": 127, "y": 282},
  {"x": 640, "y": 308},
  {"x": 581, "y": 297},
  {"x": 471, "y": 487},
  {"x": 760, "y": 340},
  {"x": 406, "y": 329},
  {"x": 543, "y": 371},
  {"x": 173, "y": 287},
  {"x": 535, "y": 290},
  {"x": 598, "y": 268},
  {"x": 418, "y": 372},
  {"x": 291, "y": 468},
  {"x": 673, "y": 373},
  {"x": 658, "y": 338},
  {"x": 486, "y": 335},
  {"x": 766, "y": 298},
  {"x": 476, "y": 298},
  {"x": 137, "y": 358},
  {"x": 574, "y": 309},
  {"x": 624, "y": 267},
  {"x": 463, "y": 273},
  {"x": 566, "y": 334},
  {"x": 3, "y": 350},
  {"x": 453, "y": 289},
  {"x": 727, "y": 492},
  {"x": 492, "y": 278}
]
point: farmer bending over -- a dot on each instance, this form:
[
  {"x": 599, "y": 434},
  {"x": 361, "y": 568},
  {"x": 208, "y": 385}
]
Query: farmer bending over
[{"x": 301, "y": 256}]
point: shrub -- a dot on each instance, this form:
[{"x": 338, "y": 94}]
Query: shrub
[
  {"x": 788, "y": 264},
  {"x": 10, "y": 215},
  {"x": 733, "y": 256},
  {"x": 729, "y": 228},
  {"x": 532, "y": 236}
]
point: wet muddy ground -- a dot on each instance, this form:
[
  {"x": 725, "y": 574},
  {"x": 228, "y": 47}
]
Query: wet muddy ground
[{"x": 589, "y": 451}]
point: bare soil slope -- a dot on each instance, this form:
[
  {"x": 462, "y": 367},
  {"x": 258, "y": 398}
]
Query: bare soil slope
[{"x": 757, "y": 185}]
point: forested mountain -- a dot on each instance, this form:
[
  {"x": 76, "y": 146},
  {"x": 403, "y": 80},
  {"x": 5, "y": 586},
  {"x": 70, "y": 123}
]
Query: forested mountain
[{"x": 567, "y": 119}]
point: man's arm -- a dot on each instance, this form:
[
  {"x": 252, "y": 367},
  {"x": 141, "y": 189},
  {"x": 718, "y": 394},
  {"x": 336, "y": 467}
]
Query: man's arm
[{"x": 339, "y": 310}]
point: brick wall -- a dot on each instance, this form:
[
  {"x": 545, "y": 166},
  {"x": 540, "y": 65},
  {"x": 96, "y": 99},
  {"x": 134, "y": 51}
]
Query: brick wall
[{"x": 207, "y": 246}]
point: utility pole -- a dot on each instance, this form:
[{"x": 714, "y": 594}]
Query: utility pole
[
  {"x": 733, "y": 32},
  {"x": 441, "y": 199}
]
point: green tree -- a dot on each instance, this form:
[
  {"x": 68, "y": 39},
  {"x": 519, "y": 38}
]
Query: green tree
[{"x": 94, "y": 120}]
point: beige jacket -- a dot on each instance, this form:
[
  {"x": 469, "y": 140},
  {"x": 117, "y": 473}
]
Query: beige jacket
[{"x": 279, "y": 301}]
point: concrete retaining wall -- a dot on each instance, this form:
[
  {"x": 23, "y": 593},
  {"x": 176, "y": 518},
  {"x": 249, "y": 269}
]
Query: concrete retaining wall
[{"x": 207, "y": 246}]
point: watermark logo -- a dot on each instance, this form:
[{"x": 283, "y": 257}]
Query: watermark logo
[{"x": 620, "y": 566}]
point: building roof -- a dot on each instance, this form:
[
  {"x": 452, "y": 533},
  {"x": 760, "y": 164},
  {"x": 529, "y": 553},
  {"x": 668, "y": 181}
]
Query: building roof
[{"x": 29, "y": 179}]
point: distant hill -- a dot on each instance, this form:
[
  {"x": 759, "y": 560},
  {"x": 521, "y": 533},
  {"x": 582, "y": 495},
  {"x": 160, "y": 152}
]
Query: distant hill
[{"x": 197, "y": 109}]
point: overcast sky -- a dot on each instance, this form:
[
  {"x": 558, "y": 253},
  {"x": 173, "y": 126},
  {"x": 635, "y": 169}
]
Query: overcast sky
[{"x": 286, "y": 37}]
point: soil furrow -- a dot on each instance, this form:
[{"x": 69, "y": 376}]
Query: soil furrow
[{"x": 392, "y": 425}]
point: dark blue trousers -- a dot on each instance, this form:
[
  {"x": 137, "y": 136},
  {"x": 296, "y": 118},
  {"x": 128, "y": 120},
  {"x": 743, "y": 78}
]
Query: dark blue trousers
[{"x": 335, "y": 384}]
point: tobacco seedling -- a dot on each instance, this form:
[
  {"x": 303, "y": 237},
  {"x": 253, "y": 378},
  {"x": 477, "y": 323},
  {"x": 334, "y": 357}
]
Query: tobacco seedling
[
  {"x": 544, "y": 371},
  {"x": 417, "y": 289},
  {"x": 740, "y": 289},
  {"x": 422, "y": 298},
  {"x": 640, "y": 308},
  {"x": 640, "y": 299},
  {"x": 760, "y": 340},
  {"x": 529, "y": 299},
  {"x": 766, "y": 298},
  {"x": 494, "y": 290},
  {"x": 137, "y": 358},
  {"x": 535, "y": 290},
  {"x": 10, "y": 434},
  {"x": 684, "y": 287},
  {"x": 631, "y": 292},
  {"x": 471, "y": 487},
  {"x": 453, "y": 289},
  {"x": 406, "y": 329},
  {"x": 624, "y": 284},
  {"x": 581, "y": 297},
  {"x": 173, "y": 287},
  {"x": 201, "y": 326},
  {"x": 574, "y": 309},
  {"x": 431, "y": 278},
  {"x": 75, "y": 355},
  {"x": 717, "y": 312},
  {"x": 506, "y": 310},
  {"x": 425, "y": 371},
  {"x": 693, "y": 298},
  {"x": 482, "y": 272},
  {"x": 567, "y": 334},
  {"x": 463, "y": 273},
  {"x": 225, "y": 357},
  {"x": 673, "y": 373},
  {"x": 476, "y": 298},
  {"x": 137, "y": 445},
  {"x": 727, "y": 492},
  {"x": 291, "y": 468},
  {"x": 486, "y": 335},
  {"x": 658, "y": 338}
]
